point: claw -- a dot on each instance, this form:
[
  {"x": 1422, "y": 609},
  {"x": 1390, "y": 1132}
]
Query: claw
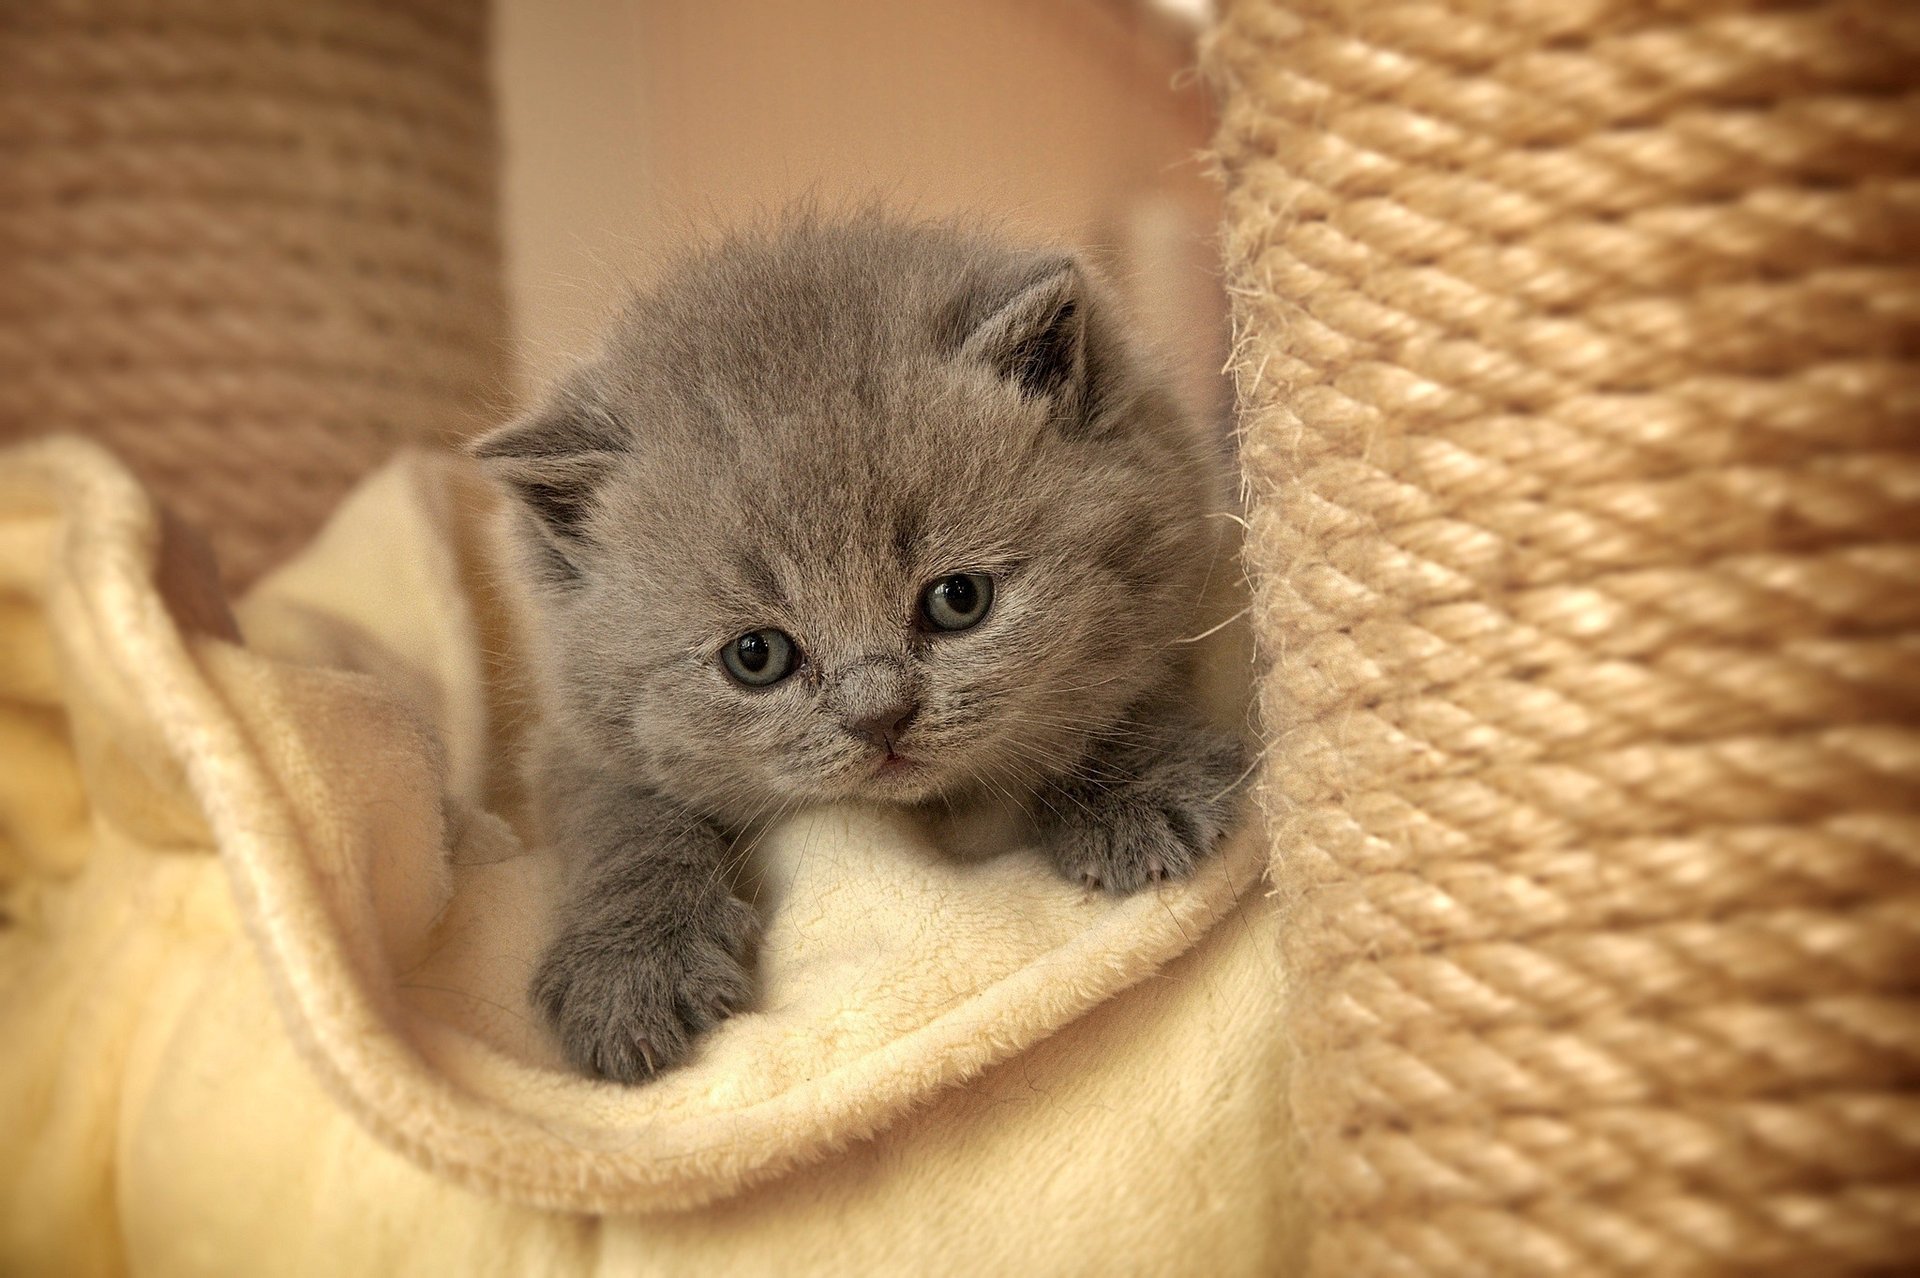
[
  {"x": 645, "y": 1049},
  {"x": 1156, "y": 869},
  {"x": 1090, "y": 880}
]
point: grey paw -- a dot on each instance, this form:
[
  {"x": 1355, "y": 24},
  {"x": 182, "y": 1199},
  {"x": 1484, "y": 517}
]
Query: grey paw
[
  {"x": 626, "y": 995},
  {"x": 1151, "y": 825}
]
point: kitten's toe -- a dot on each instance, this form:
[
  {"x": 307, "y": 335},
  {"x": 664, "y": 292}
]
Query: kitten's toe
[
  {"x": 1120, "y": 849},
  {"x": 627, "y": 1003},
  {"x": 710, "y": 989},
  {"x": 1151, "y": 831}
]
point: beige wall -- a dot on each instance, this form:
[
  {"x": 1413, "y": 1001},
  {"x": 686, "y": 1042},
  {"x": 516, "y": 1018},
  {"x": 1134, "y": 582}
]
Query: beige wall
[{"x": 632, "y": 126}]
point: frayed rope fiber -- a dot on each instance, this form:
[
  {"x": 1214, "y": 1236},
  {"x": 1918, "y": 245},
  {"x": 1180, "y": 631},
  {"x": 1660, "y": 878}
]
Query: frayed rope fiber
[
  {"x": 251, "y": 246},
  {"x": 1579, "y": 364}
]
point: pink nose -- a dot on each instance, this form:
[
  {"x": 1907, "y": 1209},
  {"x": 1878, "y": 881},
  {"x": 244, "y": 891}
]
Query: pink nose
[{"x": 883, "y": 727}]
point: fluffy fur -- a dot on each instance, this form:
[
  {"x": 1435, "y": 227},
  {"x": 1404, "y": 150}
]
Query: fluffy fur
[{"x": 800, "y": 431}]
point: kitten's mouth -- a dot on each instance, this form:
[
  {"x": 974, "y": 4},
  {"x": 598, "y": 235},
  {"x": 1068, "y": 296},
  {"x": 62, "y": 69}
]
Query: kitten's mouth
[{"x": 893, "y": 764}]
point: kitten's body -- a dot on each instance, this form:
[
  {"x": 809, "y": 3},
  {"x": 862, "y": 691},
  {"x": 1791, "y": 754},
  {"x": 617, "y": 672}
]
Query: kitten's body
[{"x": 795, "y": 435}]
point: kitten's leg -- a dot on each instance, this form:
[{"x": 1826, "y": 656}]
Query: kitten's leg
[
  {"x": 651, "y": 944},
  {"x": 1144, "y": 806}
]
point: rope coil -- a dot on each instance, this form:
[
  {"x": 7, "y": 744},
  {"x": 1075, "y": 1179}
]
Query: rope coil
[
  {"x": 1579, "y": 362},
  {"x": 252, "y": 247}
]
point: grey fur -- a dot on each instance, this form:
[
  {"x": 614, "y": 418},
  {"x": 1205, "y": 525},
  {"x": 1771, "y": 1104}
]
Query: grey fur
[{"x": 800, "y": 429}]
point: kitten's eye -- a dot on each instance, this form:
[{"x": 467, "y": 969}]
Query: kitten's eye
[
  {"x": 957, "y": 602},
  {"x": 759, "y": 658}
]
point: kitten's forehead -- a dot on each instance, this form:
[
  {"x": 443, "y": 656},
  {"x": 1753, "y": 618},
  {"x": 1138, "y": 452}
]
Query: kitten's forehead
[
  {"x": 809, "y": 439},
  {"x": 820, "y": 517}
]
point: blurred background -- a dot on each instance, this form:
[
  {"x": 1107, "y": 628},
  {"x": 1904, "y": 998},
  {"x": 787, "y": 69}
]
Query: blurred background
[
  {"x": 630, "y": 126},
  {"x": 254, "y": 246}
]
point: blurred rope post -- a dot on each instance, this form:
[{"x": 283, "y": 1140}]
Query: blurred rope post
[
  {"x": 250, "y": 245},
  {"x": 1578, "y": 351}
]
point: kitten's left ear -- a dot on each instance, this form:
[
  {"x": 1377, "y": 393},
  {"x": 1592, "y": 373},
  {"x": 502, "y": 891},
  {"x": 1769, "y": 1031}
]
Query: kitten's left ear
[{"x": 1037, "y": 338}]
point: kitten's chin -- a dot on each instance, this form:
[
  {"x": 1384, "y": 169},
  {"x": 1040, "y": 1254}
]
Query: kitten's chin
[
  {"x": 897, "y": 785},
  {"x": 895, "y": 779}
]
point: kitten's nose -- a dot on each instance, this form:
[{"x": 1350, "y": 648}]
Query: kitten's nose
[{"x": 883, "y": 727}]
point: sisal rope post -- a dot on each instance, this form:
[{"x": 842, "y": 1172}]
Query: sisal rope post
[
  {"x": 1579, "y": 365},
  {"x": 250, "y": 245}
]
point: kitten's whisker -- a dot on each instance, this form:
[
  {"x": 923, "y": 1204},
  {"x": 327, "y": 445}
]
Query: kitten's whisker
[
  {"x": 781, "y": 809},
  {"x": 1063, "y": 748},
  {"x": 1258, "y": 758},
  {"x": 1090, "y": 732},
  {"x": 1216, "y": 629},
  {"x": 988, "y": 779},
  {"x": 1063, "y": 791},
  {"x": 1087, "y": 687},
  {"x": 758, "y": 822},
  {"x": 1066, "y": 764},
  {"x": 1090, "y": 727}
]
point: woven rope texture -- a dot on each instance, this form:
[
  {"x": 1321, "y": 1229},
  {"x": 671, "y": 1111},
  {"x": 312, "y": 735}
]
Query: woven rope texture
[
  {"x": 1579, "y": 363},
  {"x": 250, "y": 245}
]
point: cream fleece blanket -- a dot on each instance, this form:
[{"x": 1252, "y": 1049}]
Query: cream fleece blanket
[{"x": 268, "y": 923}]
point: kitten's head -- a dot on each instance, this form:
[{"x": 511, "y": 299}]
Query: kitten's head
[{"x": 862, "y": 510}]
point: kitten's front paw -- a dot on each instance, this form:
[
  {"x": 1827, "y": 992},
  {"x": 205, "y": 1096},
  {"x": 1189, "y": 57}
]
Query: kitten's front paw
[
  {"x": 626, "y": 995},
  {"x": 1152, "y": 825}
]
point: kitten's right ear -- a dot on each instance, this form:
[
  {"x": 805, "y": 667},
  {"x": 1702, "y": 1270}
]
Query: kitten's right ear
[
  {"x": 1035, "y": 335},
  {"x": 552, "y": 461}
]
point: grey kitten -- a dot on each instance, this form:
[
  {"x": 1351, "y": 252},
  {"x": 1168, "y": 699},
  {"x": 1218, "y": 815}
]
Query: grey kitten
[{"x": 849, "y": 511}]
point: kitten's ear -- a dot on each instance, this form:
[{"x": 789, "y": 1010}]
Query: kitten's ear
[
  {"x": 552, "y": 461},
  {"x": 1037, "y": 337}
]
